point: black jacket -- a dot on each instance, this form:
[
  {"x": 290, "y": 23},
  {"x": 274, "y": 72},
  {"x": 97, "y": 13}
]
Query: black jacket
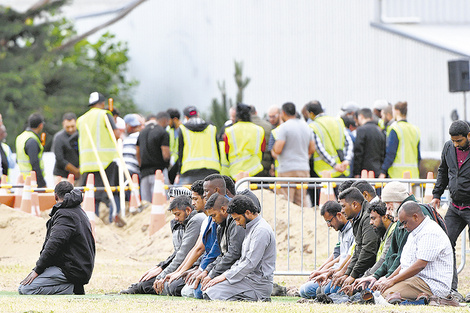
[
  {"x": 69, "y": 242},
  {"x": 367, "y": 244},
  {"x": 449, "y": 174},
  {"x": 230, "y": 239},
  {"x": 369, "y": 149}
]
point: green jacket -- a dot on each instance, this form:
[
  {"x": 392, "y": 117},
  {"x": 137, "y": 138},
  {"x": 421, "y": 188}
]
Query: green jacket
[{"x": 399, "y": 237}]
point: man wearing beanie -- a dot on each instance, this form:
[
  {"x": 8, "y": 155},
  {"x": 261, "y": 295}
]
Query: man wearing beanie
[{"x": 394, "y": 194}]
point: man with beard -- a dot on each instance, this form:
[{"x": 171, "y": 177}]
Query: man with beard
[
  {"x": 454, "y": 173},
  {"x": 331, "y": 212}
]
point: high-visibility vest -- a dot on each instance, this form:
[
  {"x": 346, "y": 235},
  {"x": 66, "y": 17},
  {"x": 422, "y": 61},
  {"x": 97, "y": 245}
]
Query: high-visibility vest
[
  {"x": 95, "y": 119},
  {"x": 24, "y": 162},
  {"x": 406, "y": 158},
  {"x": 245, "y": 140},
  {"x": 390, "y": 230},
  {"x": 200, "y": 149},
  {"x": 330, "y": 131},
  {"x": 381, "y": 123},
  {"x": 276, "y": 161},
  {"x": 174, "y": 145},
  {"x": 224, "y": 164}
]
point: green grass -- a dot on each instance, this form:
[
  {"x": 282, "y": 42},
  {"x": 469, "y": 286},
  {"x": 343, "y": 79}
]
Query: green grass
[{"x": 12, "y": 302}]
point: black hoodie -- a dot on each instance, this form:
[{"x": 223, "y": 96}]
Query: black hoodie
[{"x": 69, "y": 242}]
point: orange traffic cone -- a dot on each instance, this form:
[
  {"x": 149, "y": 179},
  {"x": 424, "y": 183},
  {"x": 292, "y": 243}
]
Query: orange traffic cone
[
  {"x": 364, "y": 174},
  {"x": 18, "y": 193},
  {"x": 89, "y": 201},
  {"x": 428, "y": 189},
  {"x": 157, "y": 217},
  {"x": 26, "y": 197},
  {"x": 35, "y": 211},
  {"x": 71, "y": 179},
  {"x": 407, "y": 175},
  {"x": 371, "y": 175},
  {"x": 3, "y": 189},
  {"x": 34, "y": 180},
  {"x": 326, "y": 193},
  {"x": 57, "y": 180},
  {"x": 134, "y": 202}
]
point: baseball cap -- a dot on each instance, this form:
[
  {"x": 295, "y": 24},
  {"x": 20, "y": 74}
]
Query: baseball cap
[
  {"x": 95, "y": 97},
  {"x": 131, "y": 120},
  {"x": 380, "y": 104},
  {"x": 190, "y": 111},
  {"x": 350, "y": 107},
  {"x": 120, "y": 124}
]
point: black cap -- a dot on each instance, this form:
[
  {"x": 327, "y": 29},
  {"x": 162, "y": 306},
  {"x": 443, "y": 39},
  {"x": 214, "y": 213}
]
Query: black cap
[{"x": 190, "y": 111}]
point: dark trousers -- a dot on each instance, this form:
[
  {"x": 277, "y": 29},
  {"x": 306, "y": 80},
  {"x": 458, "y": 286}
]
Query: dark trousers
[
  {"x": 101, "y": 196},
  {"x": 456, "y": 220}
]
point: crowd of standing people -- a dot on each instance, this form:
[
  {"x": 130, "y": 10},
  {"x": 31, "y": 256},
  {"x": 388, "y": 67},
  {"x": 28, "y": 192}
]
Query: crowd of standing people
[{"x": 380, "y": 237}]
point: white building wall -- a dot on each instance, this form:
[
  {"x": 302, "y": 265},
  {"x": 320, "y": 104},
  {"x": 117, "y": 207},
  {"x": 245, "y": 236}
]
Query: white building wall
[{"x": 292, "y": 51}]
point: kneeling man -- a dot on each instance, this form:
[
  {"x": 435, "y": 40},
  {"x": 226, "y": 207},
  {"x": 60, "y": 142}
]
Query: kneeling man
[
  {"x": 251, "y": 277},
  {"x": 426, "y": 263},
  {"x": 68, "y": 254}
]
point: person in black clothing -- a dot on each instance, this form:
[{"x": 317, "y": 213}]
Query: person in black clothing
[
  {"x": 65, "y": 147},
  {"x": 67, "y": 257},
  {"x": 153, "y": 152},
  {"x": 369, "y": 148},
  {"x": 454, "y": 173}
]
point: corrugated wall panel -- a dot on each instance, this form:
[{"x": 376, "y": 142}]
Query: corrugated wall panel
[{"x": 429, "y": 11}]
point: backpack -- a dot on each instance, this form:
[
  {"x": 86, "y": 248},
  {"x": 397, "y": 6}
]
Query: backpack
[{"x": 435, "y": 216}]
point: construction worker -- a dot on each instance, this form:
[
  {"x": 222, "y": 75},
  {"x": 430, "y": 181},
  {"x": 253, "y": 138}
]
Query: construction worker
[
  {"x": 402, "y": 153},
  {"x": 94, "y": 120},
  {"x": 244, "y": 144},
  {"x": 334, "y": 147},
  {"x": 29, "y": 149},
  {"x": 7, "y": 159},
  {"x": 172, "y": 131},
  {"x": 198, "y": 154}
]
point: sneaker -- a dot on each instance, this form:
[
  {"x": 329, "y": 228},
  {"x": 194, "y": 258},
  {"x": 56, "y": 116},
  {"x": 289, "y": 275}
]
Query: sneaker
[
  {"x": 119, "y": 221},
  {"x": 129, "y": 291},
  {"x": 367, "y": 297},
  {"x": 450, "y": 300},
  {"x": 467, "y": 297},
  {"x": 457, "y": 295}
]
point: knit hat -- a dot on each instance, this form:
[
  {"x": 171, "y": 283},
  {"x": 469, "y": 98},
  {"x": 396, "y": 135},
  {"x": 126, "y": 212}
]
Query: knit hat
[{"x": 394, "y": 192}]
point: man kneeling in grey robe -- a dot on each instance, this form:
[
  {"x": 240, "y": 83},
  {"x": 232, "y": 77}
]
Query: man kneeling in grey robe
[{"x": 251, "y": 277}]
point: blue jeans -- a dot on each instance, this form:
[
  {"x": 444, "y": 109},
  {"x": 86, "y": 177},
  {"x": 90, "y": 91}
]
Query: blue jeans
[{"x": 309, "y": 289}]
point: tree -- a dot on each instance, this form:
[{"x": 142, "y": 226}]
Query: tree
[
  {"x": 37, "y": 76},
  {"x": 219, "y": 109}
]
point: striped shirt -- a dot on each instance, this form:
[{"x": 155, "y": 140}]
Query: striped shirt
[
  {"x": 129, "y": 152},
  {"x": 348, "y": 149},
  {"x": 430, "y": 243}
]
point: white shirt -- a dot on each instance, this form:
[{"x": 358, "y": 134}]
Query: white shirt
[{"x": 430, "y": 243}]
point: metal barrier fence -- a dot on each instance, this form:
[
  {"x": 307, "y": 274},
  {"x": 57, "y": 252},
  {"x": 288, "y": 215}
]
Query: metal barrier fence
[{"x": 415, "y": 186}]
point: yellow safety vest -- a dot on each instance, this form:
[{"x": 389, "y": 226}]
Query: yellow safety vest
[
  {"x": 330, "y": 131},
  {"x": 381, "y": 123},
  {"x": 245, "y": 140},
  {"x": 23, "y": 159},
  {"x": 94, "y": 118},
  {"x": 174, "y": 145},
  {"x": 225, "y": 165},
  {"x": 407, "y": 152},
  {"x": 200, "y": 149},
  {"x": 390, "y": 230},
  {"x": 276, "y": 161}
]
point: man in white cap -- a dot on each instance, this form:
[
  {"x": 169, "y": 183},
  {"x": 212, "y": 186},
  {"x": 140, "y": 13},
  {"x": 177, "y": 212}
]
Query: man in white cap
[{"x": 101, "y": 138}]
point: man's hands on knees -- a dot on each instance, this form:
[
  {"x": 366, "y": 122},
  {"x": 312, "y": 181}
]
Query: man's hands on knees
[
  {"x": 364, "y": 282},
  {"x": 199, "y": 278},
  {"x": 214, "y": 281},
  {"x": 160, "y": 283},
  {"x": 192, "y": 277},
  {"x": 153, "y": 272},
  {"x": 29, "y": 279}
]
